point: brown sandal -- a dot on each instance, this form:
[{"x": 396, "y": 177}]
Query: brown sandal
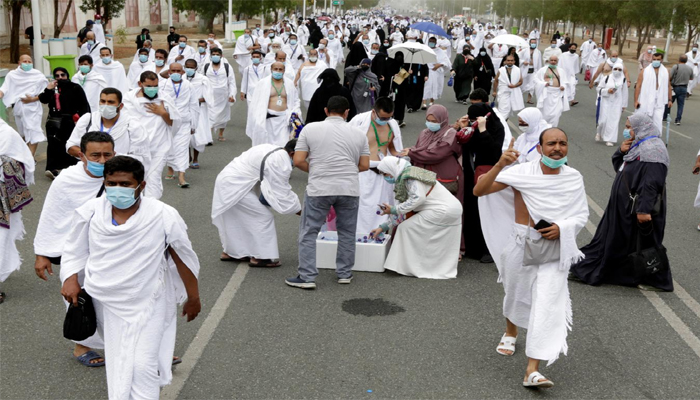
[{"x": 265, "y": 264}]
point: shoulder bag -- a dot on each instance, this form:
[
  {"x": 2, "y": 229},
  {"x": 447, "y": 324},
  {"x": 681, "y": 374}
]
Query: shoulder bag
[
  {"x": 646, "y": 261},
  {"x": 262, "y": 199},
  {"x": 81, "y": 321},
  {"x": 540, "y": 251}
]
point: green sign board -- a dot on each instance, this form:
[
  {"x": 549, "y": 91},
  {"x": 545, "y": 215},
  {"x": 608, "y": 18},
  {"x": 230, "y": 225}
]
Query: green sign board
[{"x": 338, "y": 2}]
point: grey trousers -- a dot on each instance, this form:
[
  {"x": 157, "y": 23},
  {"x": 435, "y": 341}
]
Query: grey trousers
[{"x": 316, "y": 209}]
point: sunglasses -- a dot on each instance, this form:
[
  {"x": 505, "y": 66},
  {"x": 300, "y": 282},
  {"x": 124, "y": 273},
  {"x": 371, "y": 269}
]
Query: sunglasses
[{"x": 60, "y": 76}]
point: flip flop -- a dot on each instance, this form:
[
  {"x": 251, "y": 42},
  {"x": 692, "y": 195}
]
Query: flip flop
[
  {"x": 537, "y": 380},
  {"x": 183, "y": 185},
  {"x": 194, "y": 166},
  {"x": 3, "y": 296},
  {"x": 265, "y": 264},
  {"x": 176, "y": 360},
  {"x": 169, "y": 177},
  {"x": 222, "y": 139},
  {"x": 89, "y": 356},
  {"x": 231, "y": 259}
]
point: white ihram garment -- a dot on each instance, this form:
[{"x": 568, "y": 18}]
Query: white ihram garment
[
  {"x": 273, "y": 130},
  {"x": 187, "y": 104},
  {"x": 222, "y": 88},
  {"x": 552, "y": 101},
  {"x": 247, "y": 227},
  {"x": 569, "y": 65},
  {"x": 135, "y": 292},
  {"x": 241, "y": 53},
  {"x": 652, "y": 100},
  {"x": 114, "y": 74},
  {"x": 201, "y": 89},
  {"x": 537, "y": 296},
  {"x": 92, "y": 84},
  {"x": 374, "y": 189},
  {"x": 308, "y": 80},
  {"x": 610, "y": 106},
  {"x": 436, "y": 79},
  {"x": 509, "y": 99},
  {"x": 18, "y": 84}
]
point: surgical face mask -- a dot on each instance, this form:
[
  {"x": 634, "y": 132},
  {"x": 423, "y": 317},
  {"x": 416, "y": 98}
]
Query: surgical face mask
[
  {"x": 509, "y": 66},
  {"x": 533, "y": 45},
  {"x": 613, "y": 59},
  {"x": 524, "y": 128},
  {"x": 247, "y": 36},
  {"x": 95, "y": 168},
  {"x": 313, "y": 59},
  {"x": 551, "y": 163},
  {"x": 617, "y": 74},
  {"x": 552, "y": 66},
  {"x": 106, "y": 60},
  {"x": 143, "y": 58},
  {"x": 121, "y": 197},
  {"x": 176, "y": 77},
  {"x": 695, "y": 49},
  {"x": 256, "y": 61},
  {"x": 27, "y": 66},
  {"x": 626, "y": 134},
  {"x": 374, "y": 51},
  {"x": 390, "y": 180},
  {"x": 257, "y": 28},
  {"x": 649, "y": 51},
  {"x": 277, "y": 75},
  {"x": 331, "y": 37},
  {"x": 271, "y": 35},
  {"x": 572, "y": 51},
  {"x": 321, "y": 46},
  {"x": 365, "y": 41},
  {"x": 190, "y": 71},
  {"x": 431, "y": 45},
  {"x": 90, "y": 42},
  {"x": 656, "y": 63},
  {"x": 160, "y": 63},
  {"x": 386, "y": 44},
  {"x": 201, "y": 50},
  {"x": 433, "y": 126},
  {"x": 379, "y": 121},
  {"x": 482, "y": 53},
  {"x": 182, "y": 45},
  {"x": 84, "y": 69},
  {"x": 150, "y": 92},
  {"x": 216, "y": 59},
  {"x": 108, "y": 111},
  {"x": 292, "y": 42},
  {"x": 552, "y": 45}
]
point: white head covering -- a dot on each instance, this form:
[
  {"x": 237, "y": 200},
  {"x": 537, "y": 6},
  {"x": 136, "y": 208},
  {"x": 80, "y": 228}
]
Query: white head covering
[
  {"x": 393, "y": 165},
  {"x": 12, "y": 145},
  {"x": 536, "y": 124},
  {"x": 619, "y": 78}
]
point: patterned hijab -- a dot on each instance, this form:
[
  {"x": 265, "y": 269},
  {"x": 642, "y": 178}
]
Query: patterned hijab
[{"x": 647, "y": 145}]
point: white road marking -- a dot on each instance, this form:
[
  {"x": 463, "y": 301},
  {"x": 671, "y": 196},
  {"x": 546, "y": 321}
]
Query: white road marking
[
  {"x": 663, "y": 133},
  {"x": 204, "y": 334},
  {"x": 659, "y": 304}
]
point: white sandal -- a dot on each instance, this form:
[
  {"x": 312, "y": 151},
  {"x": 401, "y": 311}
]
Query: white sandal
[
  {"x": 538, "y": 380},
  {"x": 508, "y": 345}
]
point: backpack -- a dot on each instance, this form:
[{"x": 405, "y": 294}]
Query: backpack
[{"x": 206, "y": 67}]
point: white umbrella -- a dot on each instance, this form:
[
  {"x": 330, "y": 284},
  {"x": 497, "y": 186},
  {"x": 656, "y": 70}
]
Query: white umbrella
[
  {"x": 510, "y": 40},
  {"x": 414, "y": 53}
]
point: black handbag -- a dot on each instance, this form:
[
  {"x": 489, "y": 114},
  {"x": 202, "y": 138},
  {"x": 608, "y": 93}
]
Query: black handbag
[
  {"x": 647, "y": 261},
  {"x": 53, "y": 124},
  {"x": 81, "y": 321}
]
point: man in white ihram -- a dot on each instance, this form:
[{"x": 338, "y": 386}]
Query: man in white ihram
[
  {"x": 246, "y": 225},
  {"x": 307, "y": 76},
  {"x": 506, "y": 88},
  {"x": 653, "y": 91},
  {"x": 550, "y": 209},
  {"x": 274, "y": 101},
  {"x": 134, "y": 258},
  {"x": 112, "y": 70},
  {"x": 245, "y": 45},
  {"x": 551, "y": 88}
]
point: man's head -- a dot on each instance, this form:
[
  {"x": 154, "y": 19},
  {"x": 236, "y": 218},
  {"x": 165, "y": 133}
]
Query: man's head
[
  {"x": 182, "y": 41},
  {"x": 375, "y": 48},
  {"x": 147, "y": 45},
  {"x": 290, "y": 146},
  {"x": 324, "y": 43},
  {"x": 85, "y": 64},
  {"x": 478, "y": 95},
  {"x": 190, "y": 67},
  {"x": 90, "y": 36},
  {"x": 144, "y": 52},
  {"x": 510, "y": 60},
  {"x": 338, "y": 106},
  {"x": 110, "y": 103},
  {"x": 554, "y": 144},
  {"x": 25, "y": 62},
  {"x": 553, "y": 60},
  {"x": 432, "y": 42},
  {"x": 106, "y": 55},
  {"x": 124, "y": 181},
  {"x": 176, "y": 71},
  {"x": 281, "y": 56},
  {"x": 683, "y": 59},
  {"x": 257, "y": 55},
  {"x": 172, "y": 29},
  {"x": 278, "y": 70},
  {"x": 202, "y": 46},
  {"x": 695, "y": 48},
  {"x": 573, "y": 47},
  {"x": 212, "y": 35},
  {"x": 533, "y": 43},
  {"x": 96, "y": 148},
  {"x": 383, "y": 110},
  {"x": 148, "y": 82},
  {"x": 89, "y": 24},
  {"x": 216, "y": 54},
  {"x": 247, "y": 32},
  {"x": 160, "y": 57},
  {"x": 292, "y": 39}
]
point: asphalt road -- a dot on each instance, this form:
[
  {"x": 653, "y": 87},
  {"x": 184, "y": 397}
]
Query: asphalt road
[{"x": 385, "y": 335}]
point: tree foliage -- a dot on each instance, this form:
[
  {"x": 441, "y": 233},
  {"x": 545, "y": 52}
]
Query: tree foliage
[
  {"x": 108, "y": 9},
  {"x": 15, "y": 7}
]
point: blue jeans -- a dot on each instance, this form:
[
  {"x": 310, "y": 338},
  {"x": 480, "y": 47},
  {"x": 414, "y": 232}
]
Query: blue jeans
[
  {"x": 316, "y": 209},
  {"x": 681, "y": 92}
]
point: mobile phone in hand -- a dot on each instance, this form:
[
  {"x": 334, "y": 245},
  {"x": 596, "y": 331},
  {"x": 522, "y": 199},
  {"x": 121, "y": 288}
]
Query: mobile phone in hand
[{"x": 542, "y": 224}]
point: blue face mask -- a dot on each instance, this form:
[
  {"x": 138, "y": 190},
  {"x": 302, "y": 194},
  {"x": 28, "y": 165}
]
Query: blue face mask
[
  {"x": 106, "y": 60},
  {"x": 365, "y": 41},
  {"x": 190, "y": 71},
  {"x": 552, "y": 45},
  {"x": 256, "y": 61},
  {"x": 84, "y": 69},
  {"x": 433, "y": 126},
  {"x": 390, "y": 180},
  {"x": 533, "y": 45},
  {"x": 216, "y": 59},
  {"x": 150, "y": 92},
  {"x": 374, "y": 51},
  {"x": 182, "y": 45},
  {"x": 554, "y": 164},
  {"x": 277, "y": 75},
  {"x": 201, "y": 50},
  {"x": 431, "y": 45},
  {"x": 143, "y": 58},
  {"x": 292, "y": 42},
  {"x": 121, "y": 197},
  {"x": 331, "y": 37},
  {"x": 380, "y": 122},
  {"x": 656, "y": 63},
  {"x": 176, "y": 77},
  {"x": 95, "y": 168},
  {"x": 626, "y": 134},
  {"x": 90, "y": 42},
  {"x": 27, "y": 66},
  {"x": 160, "y": 63}
]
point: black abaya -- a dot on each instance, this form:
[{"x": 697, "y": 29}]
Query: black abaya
[
  {"x": 330, "y": 87},
  {"x": 416, "y": 84},
  {"x": 73, "y": 101},
  {"x": 483, "y": 72},
  {"x": 615, "y": 236}
]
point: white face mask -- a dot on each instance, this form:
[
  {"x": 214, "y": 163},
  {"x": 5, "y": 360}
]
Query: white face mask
[{"x": 107, "y": 111}]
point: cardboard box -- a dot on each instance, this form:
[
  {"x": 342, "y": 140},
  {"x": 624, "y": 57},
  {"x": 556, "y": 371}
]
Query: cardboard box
[{"x": 369, "y": 257}]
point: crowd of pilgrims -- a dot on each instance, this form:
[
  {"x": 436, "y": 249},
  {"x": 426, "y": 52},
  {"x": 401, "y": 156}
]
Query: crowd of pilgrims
[{"x": 175, "y": 101}]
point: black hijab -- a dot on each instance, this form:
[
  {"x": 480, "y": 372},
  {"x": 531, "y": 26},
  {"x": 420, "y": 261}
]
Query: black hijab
[
  {"x": 330, "y": 86},
  {"x": 485, "y": 60},
  {"x": 493, "y": 123}
]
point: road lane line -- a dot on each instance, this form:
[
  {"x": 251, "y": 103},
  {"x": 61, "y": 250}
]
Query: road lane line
[
  {"x": 661, "y": 307},
  {"x": 204, "y": 334},
  {"x": 676, "y": 132}
]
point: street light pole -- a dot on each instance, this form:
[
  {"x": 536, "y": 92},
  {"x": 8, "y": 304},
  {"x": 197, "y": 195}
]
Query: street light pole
[
  {"x": 38, "y": 56},
  {"x": 170, "y": 13}
]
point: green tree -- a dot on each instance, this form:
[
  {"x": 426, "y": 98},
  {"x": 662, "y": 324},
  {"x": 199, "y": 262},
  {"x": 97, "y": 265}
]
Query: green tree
[
  {"x": 687, "y": 15},
  {"x": 108, "y": 9},
  {"x": 58, "y": 27}
]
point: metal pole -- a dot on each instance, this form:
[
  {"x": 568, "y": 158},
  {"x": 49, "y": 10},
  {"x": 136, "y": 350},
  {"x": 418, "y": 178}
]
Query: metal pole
[
  {"x": 541, "y": 21},
  {"x": 668, "y": 37},
  {"x": 228, "y": 32},
  {"x": 262, "y": 16},
  {"x": 325, "y": 6},
  {"x": 170, "y": 13},
  {"x": 38, "y": 55},
  {"x": 304, "y": 12}
]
